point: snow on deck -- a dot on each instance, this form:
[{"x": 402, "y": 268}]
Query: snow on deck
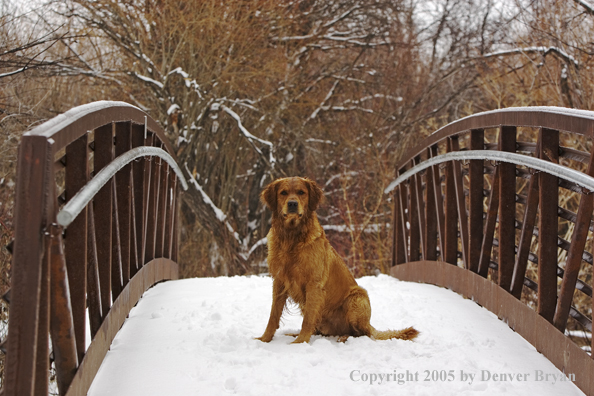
[{"x": 195, "y": 337}]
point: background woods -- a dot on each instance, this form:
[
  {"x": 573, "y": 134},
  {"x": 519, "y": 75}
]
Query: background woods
[{"x": 249, "y": 91}]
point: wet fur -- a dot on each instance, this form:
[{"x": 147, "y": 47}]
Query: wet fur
[{"x": 305, "y": 268}]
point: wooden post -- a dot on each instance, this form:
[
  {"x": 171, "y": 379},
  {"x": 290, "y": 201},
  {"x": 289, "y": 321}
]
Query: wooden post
[
  {"x": 507, "y": 208},
  {"x": 548, "y": 227}
]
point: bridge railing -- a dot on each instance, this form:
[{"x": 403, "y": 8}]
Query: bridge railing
[
  {"x": 96, "y": 215},
  {"x": 495, "y": 207}
]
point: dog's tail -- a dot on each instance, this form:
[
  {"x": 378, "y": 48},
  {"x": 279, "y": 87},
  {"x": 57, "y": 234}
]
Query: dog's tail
[{"x": 410, "y": 333}]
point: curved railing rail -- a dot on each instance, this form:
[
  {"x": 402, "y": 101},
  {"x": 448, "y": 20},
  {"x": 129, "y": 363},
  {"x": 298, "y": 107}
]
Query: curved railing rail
[
  {"x": 115, "y": 237},
  {"x": 528, "y": 248}
]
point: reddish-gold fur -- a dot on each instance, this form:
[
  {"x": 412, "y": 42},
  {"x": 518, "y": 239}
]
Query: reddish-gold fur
[{"x": 307, "y": 269}]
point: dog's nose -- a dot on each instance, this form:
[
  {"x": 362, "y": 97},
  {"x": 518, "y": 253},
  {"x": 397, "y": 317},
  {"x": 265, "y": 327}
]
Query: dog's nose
[{"x": 292, "y": 206}]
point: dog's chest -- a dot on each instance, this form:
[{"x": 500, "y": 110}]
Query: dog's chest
[{"x": 286, "y": 269}]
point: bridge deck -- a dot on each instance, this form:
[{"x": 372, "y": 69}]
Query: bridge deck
[{"x": 195, "y": 336}]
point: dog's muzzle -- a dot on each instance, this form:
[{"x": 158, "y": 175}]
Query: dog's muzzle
[{"x": 293, "y": 207}]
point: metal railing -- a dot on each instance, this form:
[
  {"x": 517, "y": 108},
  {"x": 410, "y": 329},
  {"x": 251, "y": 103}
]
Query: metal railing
[
  {"x": 116, "y": 236},
  {"x": 477, "y": 208}
]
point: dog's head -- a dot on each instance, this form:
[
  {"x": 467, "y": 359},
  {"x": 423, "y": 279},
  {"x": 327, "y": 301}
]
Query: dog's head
[{"x": 292, "y": 199}]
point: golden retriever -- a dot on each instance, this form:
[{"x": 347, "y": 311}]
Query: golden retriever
[{"x": 307, "y": 269}]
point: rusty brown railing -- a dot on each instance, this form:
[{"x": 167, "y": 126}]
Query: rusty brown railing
[
  {"x": 509, "y": 233},
  {"x": 101, "y": 166}
]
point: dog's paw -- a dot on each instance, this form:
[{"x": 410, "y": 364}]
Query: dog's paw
[
  {"x": 264, "y": 338},
  {"x": 300, "y": 340},
  {"x": 343, "y": 338}
]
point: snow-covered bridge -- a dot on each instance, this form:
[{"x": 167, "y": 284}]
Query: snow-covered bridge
[
  {"x": 85, "y": 254},
  {"x": 195, "y": 337}
]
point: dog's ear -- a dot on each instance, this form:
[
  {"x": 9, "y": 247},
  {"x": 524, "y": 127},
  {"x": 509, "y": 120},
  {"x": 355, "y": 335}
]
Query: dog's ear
[
  {"x": 268, "y": 195},
  {"x": 316, "y": 195}
]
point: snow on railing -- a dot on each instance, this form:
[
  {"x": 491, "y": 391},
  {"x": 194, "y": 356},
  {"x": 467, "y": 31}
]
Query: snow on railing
[
  {"x": 86, "y": 194},
  {"x": 577, "y": 177}
]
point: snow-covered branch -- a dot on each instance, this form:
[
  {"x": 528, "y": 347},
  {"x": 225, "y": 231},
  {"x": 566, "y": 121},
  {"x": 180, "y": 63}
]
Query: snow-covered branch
[
  {"x": 369, "y": 229},
  {"x": 587, "y": 7},
  {"x": 342, "y": 16},
  {"x": 149, "y": 80},
  {"x": 22, "y": 69},
  {"x": 326, "y": 99},
  {"x": 261, "y": 242},
  {"x": 222, "y": 217},
  {"x": 251, "y": 138},
  {"x": 542, "y": 50},
  {"x": 335, "y": 37},
  {"x": 192, "y": 84}
]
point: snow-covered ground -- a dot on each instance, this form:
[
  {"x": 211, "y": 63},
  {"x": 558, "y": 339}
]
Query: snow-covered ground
[{"x": 196, "y": 337}]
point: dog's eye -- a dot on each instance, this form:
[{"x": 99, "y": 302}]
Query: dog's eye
[
  {"x": 284, "y": 193},
  {"x": 300, "y": 192}
]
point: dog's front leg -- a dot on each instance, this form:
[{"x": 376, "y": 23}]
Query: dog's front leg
[
  {"x": 279, "y": 298},
  {"x": 314, "y": 299}
]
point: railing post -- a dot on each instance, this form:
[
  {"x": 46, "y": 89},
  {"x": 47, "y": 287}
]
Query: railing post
[
  {"x": 460, "y": 203},
  {"x": 161, "y": 216},
  {"x": 490, "y": 224},
  {"x": 417, "y": 190},
  {"x": 548, "y": 227},
  {"x": 431, "y": 220},
  {"x": 148, "y": 201},
  {"x": 26, "y": 350},
  {"x": 451, "y": 214},
  {"x": 77, "y": 175},
  {"x": 438, "y": 202},
  {"x": 530, "y": 211},
  {"x": 124, "y": 201},
  {"x": 176, "y": 227},
  {"x": 398, "y": 246},
  {"x": 61, "y": 323},
  {"x": 116, "y": 244},
  {"x": 414, "y": 243},
  {"x": 103, "y": 214},
  {"x": 574, "y": 256},
  {"x": 138, "y": 200},
  {"x": 93, "y": 289},
  {"x": 475, "y": 201},
  {"x": 43, "y": 365},
  {"x": 507, "y": 208}
]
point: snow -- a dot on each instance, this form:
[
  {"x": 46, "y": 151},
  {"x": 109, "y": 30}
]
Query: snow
[
  {"x": 196, "y": 336},
  {"x": 588, "y": 114},
  {"x": 247, "y": 133},
  {"x": 222, "y": 217},
  {"x": 179, "y": 71},
  {"x": 149, "y": 80},
  {"x": 328, "y": 96},
  {"x": 370, "y": 228},
  {"x": 312, "y": 140},
  {"x": 589, "y": 8},
  {"x": 261, "y": 242},
  {"x": 543, "y": 50},
  {"x": 22, "y": 69},
  {"x": 172, "y": 108},
  {"x": 59, "y": 122}
]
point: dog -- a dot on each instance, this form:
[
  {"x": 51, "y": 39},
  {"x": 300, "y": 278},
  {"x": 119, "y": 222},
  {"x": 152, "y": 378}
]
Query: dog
[{"x": 307, "y": 269}]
